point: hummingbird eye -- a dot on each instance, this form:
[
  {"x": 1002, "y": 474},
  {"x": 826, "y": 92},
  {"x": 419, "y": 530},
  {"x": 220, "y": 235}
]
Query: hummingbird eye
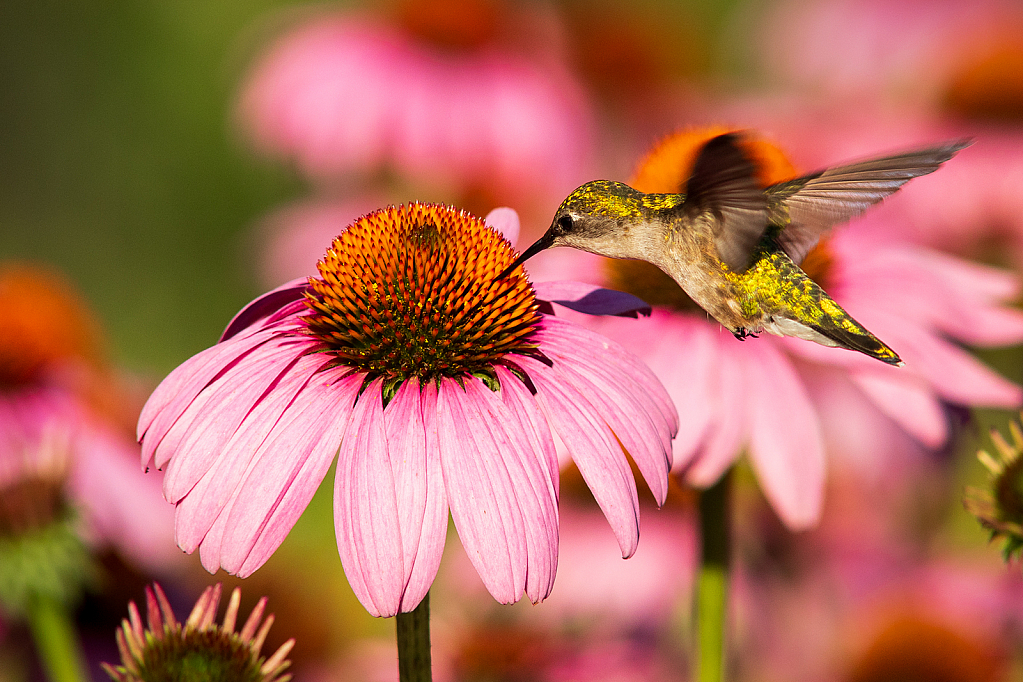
[{"x": 566, "y": 223}]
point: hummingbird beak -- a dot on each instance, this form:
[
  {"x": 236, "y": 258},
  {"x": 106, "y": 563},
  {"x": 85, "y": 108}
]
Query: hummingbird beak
[{"x": 544, "y": 242}]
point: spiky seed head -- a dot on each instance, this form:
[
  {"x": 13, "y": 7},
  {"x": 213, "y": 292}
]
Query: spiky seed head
[{"x": 999, "y": 506}]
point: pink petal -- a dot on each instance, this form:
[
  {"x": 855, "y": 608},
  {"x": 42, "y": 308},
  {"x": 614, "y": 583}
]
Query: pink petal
[
  {"x": 651, "y": 391},
  {"x": 908, "y": 401},
  {"x": 632, "y": 418},
  {"x": 121, "y": 504},
  {"x": 174, "y": 394},
  {"x": 730, "y": 429},
  {"x": 366, "y": 512},
  {"x": 521, "y": 405},
  {"x": 219, "y": 486},
  {"x": 502, "y": 497},
  {"x": 690, "y": 377},
  {"x": 594, "y": 449},
  {"x": 785, "y": 440},
  {"x": 958, "y": 376},
  {"x": 409, "y": 422},
  {"x": 200, "y": 435},
  {"x": 506, "y": 221},
  {"x": 938, "y": 292},
  {"x": 287, "y": 469}
]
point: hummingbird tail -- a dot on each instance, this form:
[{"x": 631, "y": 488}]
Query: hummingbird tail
[{"x": 839, "y": 327}]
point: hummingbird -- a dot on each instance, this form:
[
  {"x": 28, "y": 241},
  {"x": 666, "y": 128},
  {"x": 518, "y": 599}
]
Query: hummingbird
[{"x": 735, "y": 247}]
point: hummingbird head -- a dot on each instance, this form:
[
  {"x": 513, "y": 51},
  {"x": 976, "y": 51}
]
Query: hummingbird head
[{"x": 596, "y": 217}]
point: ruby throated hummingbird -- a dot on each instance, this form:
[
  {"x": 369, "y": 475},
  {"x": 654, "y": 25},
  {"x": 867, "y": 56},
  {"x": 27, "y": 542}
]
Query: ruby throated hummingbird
[{"x": 735, "y": 247}]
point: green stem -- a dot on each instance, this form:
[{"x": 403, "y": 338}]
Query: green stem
[
  {"x": 712, "y": 585},
  {"x": 414, "y": 643},
  {"x": 56, "y": 640}
]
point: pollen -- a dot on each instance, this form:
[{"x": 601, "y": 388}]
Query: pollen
[{"x": 411, "y": 291}]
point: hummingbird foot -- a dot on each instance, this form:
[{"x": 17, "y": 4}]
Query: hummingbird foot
[{"x": 742, "y": 334}]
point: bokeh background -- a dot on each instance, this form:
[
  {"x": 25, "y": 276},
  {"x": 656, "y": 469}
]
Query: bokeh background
[{"x": 132, "y": 162}]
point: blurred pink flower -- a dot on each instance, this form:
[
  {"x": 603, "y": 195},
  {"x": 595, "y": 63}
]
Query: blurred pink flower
[
  {"x": 757, "y": 395},
  {"x": 289, "y": 240},
  {"x": 597, "y": 589},
  {"x": 910, "y": 51},
  {"x": 875, "y": 587},
  {"x": 344, "y": 92},
  {"x": 437, "y": 388},
  {"x": 56, "y": 435}
]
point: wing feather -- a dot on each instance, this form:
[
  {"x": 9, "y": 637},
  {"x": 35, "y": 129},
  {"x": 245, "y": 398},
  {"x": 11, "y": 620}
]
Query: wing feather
[
  {"x": 724, "y": 185},
  {"x": 815, "y": 203}
]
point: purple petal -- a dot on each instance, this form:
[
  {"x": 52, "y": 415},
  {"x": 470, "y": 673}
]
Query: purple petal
[
  {"x": 265, "y": 305},
  {"x": 287, "y": 469},
  {"x": 501, "y": 494},
  {"x": 591, "y": 299},
  {"x": 594, "y": 449},
  {"x": 409, "y": 423},
  {"x": 365, "y": 510},
  {"x": 577, "y": 356},
  {"x": 785, "y": 440}
]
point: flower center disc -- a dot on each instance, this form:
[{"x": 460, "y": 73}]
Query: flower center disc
[{"x": 410, "y": 291}]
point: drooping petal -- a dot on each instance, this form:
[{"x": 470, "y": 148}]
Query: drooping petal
[
  {"x": 176, "y": 392},
  {"x": 634, "y": 418},
  {"x": 649, "y": 388},
  {"x": 200, "y": 435},
  {"x": 686, "y": 359},
  {"x": 521, "y": 406},
  {"x": 501, "y": 497},
  {"x": 119, "y": 503},
  {"x": 277, "y": 489},
  {"x": 366, "y": 509},
  {"x": 217, "y": 488},
  {"x": 952, "y": 373},
  {"x": 594, "y": 449},
  {"x": 409, "y": 423},
  {"x": 785, "y": 439}
]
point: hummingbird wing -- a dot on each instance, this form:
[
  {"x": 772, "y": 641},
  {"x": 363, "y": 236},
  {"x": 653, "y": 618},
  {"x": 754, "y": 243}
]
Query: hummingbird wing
[
  {"x": 723, "y": 192},
  {"x": 809, "y": 206}
]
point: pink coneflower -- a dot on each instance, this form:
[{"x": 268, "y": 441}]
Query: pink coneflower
[
  {"x": 437, "y": 387},
  {"x": 60, "y": 441},
  {"x": 343, "y": 93},
  {"x": 757, "y": 396}
]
